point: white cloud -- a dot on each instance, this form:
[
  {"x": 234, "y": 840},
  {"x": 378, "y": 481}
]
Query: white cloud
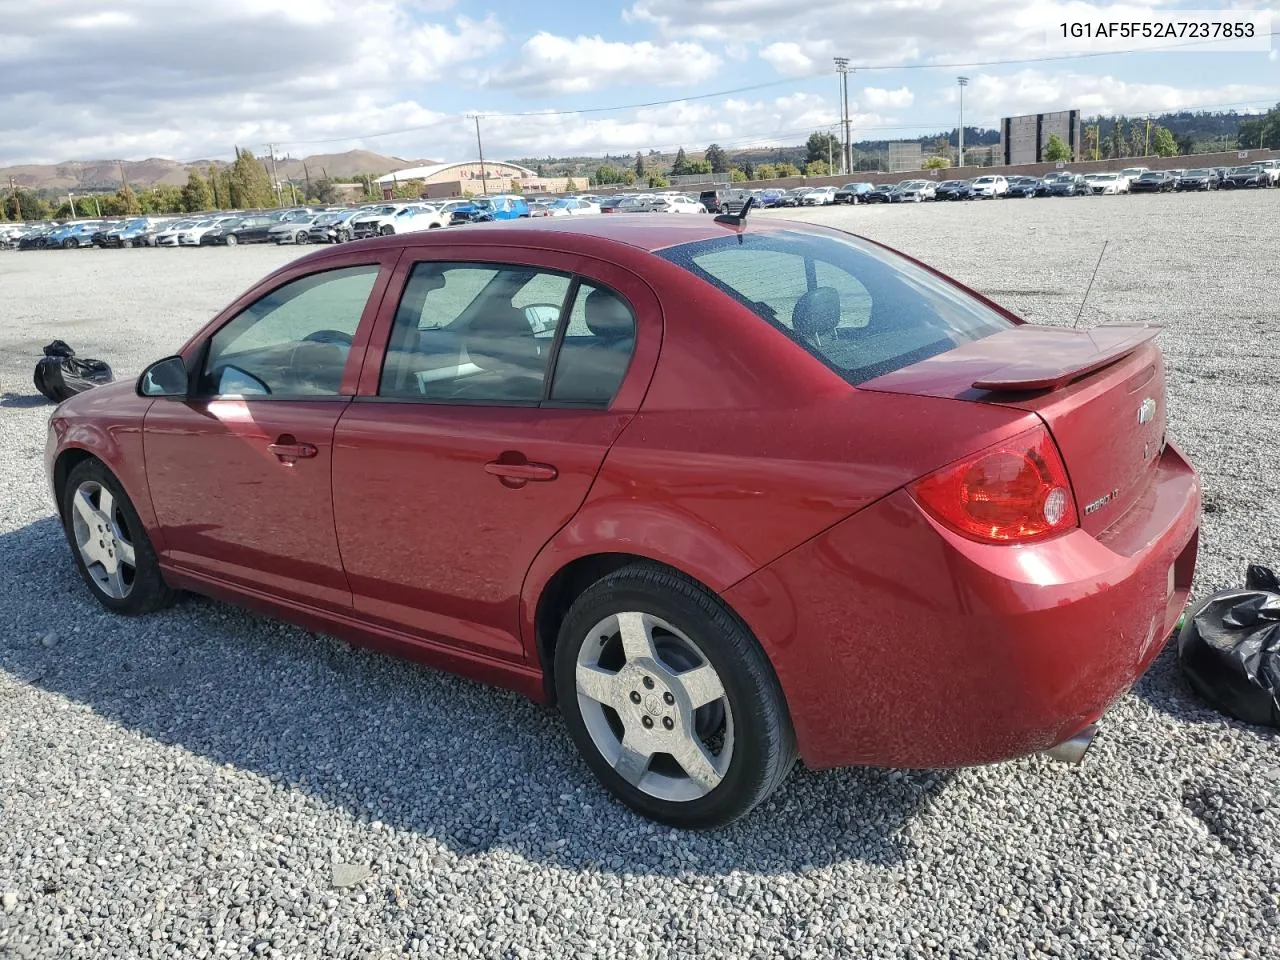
[
  {"x": 191, "y": 80},
  {"x": 988, "y": 97},
  {"x": 788, "y": 59},
  {"x": 893, "y": 99},
  {"x": 553, "y": 64}
]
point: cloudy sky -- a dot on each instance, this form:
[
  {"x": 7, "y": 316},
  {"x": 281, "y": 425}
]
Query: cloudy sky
[{"x": 131, "y": 79}]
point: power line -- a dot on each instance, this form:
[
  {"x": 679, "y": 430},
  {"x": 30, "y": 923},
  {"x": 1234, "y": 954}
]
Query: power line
[{"x": 763, "y": 86}]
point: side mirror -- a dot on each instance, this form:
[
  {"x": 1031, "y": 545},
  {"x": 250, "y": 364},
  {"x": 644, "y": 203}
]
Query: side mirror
[{"x": 164, "y": 378}]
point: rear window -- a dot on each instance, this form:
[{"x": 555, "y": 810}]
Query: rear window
[{"x": 860, "y": 309}]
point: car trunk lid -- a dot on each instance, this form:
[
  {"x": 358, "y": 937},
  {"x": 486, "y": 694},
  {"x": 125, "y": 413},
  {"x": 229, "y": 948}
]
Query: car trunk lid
[{"x": 1100, "y": 391}]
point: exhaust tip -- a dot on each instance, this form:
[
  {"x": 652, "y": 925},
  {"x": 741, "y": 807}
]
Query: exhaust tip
[{"x": 1073, "y": 749}]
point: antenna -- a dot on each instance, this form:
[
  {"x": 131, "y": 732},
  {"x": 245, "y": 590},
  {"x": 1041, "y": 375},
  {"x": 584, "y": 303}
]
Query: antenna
[
  {"x": 740, "y": 218},
  {"x": 1090, "y": 287}
]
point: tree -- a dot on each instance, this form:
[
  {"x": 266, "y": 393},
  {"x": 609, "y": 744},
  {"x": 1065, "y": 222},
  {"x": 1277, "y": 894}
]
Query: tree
[
  {"x": 1091, "y": 143},
  {"x": 1138, "y": 140},
  {"x": 541, "y": 170},
  {"x": 639, "y": 166},
  {"x": 749, "y": 170},
  {"x": 250, "y": 185},
  {"x": 570, "y": 186},
  {"x": 737, "y": 176},
  {"x": 816, "y": 168},
  {"x": 681, "y": 166},
  {"x": 718, "y": 159},
  {"x": 696, "y": 167},
  {"x": 936, "y": 163},
  {"x": 786, "y": 170},
  {"x": 1162, "y": 142},
  {"x": 766, "y": 171},
  {"x": 196, "y": 195},
  {"x": 822, "y": 146},
  {"x": 942, "y": 147},
  {"x": 658, "y": 180},
  {"x": 1055, "y": 149},
  {"x": 30, "y": 204},
  {"x": 128, "y": 200}
]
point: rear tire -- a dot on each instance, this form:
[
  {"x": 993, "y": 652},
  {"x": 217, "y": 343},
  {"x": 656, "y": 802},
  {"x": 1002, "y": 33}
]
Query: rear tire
[
  {"x": 231, "y": 240},
  {"x": 703, "y": 690},
  {"x": 108, "y": 526},
  {"x": 387, "y": 230}
]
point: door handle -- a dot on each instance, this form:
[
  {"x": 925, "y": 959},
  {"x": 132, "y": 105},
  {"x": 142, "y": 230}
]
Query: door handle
[
  {"x": 288, "y": 449},
  {"x": 521, "y": 471}
]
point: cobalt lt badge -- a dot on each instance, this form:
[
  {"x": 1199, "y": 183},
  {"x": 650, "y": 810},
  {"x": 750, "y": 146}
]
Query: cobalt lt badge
[{"x": 1147, "y": 411}]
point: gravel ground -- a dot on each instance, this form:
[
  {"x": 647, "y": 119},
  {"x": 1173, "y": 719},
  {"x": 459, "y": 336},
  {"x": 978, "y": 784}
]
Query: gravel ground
[{"x": 208, "y": 783}]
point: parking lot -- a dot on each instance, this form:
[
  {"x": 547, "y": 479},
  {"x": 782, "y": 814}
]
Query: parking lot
[{"x": 193, "y": 783}]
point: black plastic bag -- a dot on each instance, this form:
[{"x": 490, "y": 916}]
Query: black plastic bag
[
  {"x": 1229, "y": 651},
  {"x": 60, "y": 377},
  {"x": 59, "y": 348},
  {"x": 1258, "y": 577}
]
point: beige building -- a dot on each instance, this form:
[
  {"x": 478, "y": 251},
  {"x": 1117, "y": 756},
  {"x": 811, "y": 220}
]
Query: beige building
[{"x": 440, "y": 180}]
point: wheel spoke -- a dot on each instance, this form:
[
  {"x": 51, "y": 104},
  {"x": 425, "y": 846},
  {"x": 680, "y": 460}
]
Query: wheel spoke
[
  {"x": 600, "y": 685},
  {"x": 124, "y": 553},
  {"x": 702, "y": 684},
  {"x": 106, "y": 503},
  {"x": 694, "y": 759},
  {"x": 84, "y": 506},
  {"x": 115, "y": 583},
  {"x": 632, "y": 762},
  {"x": 637, "y": 636}
]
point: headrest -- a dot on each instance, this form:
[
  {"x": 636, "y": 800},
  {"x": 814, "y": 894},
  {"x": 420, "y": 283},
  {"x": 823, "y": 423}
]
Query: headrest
[
  {"x": 502, "y": 320},
  {"x": 608, "y": 317},
  {"x": 817, "y": 312}
]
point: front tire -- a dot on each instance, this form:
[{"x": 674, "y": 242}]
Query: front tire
[
  {"x": 231, "y": 240},
  {"x": 109, "y": 543},
  {"x": 671, "y": 700}
]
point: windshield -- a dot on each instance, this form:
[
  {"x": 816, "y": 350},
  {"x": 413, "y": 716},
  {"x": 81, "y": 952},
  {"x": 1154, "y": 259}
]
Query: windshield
[
  {"x": 985, "y": 180},
  {"x": 1151, "y": 176},
  {"x": 1104, "y": 176},
  {"x": 1196, "y": 173},
  {"x": 860, "y": 309},
  {"x": 483, "y": 204}
]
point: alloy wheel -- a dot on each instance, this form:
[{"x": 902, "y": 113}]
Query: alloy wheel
[
  {"x": 654, "y": 706},
  {"x": 102, "y": 538}
]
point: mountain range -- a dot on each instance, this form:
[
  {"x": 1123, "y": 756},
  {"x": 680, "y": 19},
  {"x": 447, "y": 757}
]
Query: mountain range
[{"x": 97, "y": 175}]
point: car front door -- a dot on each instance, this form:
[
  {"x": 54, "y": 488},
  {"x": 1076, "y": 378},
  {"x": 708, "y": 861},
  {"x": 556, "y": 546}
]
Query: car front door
[
  {"x": 474, "y": 437},
  {"x": 239, "y": 470}
]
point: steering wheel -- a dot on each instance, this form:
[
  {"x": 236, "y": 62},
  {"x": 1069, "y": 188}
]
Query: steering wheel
[{"x": 328, "y": 336}]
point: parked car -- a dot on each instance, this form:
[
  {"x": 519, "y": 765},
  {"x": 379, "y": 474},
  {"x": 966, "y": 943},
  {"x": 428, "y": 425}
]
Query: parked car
[
  {"x": 715, "y": 199},
  {"x": 853, "y": 192},
  {"x": 1200, "y": 178},
  {"x": 251, "y": 229},
  {"x": 381, "y": 220},
  {"x": 682, "y": 204},
  {"x": 138, "y": 232},
  {"x": 36, "y": 238},
  {"x": 883, "y": 193},
  {"x": 988, "y": 187},
  {"x": 792, "y": 197},
  {"x": 297, "y": 231},
  {"x": 770, "y": 197},
  {"x": 332, "y": 227},
  {"x": 952, "y": 190},
  {"x": 819, "y": 197},
  {"x": 539, "y": 208},
  {"x": 1271, "y": 168},
  {"x": 1107, "y": 184},
  {"x": 1131, "y": 174},
  {"x": 1022, "y": 187},
  {"x": 917, "y": 191},
  {"x": 1063, "y": 184},
  {"x": 190, "y": 237},
  {"x": 1153, "y": 181},
  {"x": 640, "y": 203},
  {"x": 965, "y": 583},
  {"x": 611, "y": 204},
  {"x": 72, "y": 235},
  {"x": 167, "y": 236},
  {"x": 1249, "y": 175},
  {"x": 483, "y": 209},
  {"x": 573, "y": 207}
]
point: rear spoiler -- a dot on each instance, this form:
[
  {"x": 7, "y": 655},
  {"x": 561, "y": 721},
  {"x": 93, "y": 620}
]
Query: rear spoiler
[{"x": 1052, "y": 357}]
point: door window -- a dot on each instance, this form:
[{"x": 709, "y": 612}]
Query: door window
[
  {"x": 294, "y": 341},
  {"x": 474, "y": 332},
  {"x": 596, "y": 350}
]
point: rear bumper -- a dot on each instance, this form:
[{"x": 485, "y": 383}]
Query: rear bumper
[{"x": 899, "y": 643}]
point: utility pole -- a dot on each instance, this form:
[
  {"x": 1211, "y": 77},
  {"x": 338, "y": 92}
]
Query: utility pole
[
  {"x": 97, "y": 206},
  {"x": 484, "y": 185},
  {"x": 17, "y": 204},
  {"x": 71, "y": 200},
  {"x": 1146, "y": 151},
  {"x": 275, "y": 180},
  {"x": 846, "y": 151},
  {"x": 964, "y": 82}
]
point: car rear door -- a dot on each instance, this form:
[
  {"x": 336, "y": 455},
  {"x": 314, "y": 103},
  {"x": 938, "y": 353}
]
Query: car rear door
[
  {"x": 473, "y": 439},
  {"x": 239, "y": 470}
]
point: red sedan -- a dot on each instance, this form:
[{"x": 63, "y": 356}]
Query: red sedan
[{"x": 730, "y": 494}]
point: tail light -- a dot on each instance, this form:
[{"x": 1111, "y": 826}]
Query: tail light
[{"x": 1014, "y": 492}]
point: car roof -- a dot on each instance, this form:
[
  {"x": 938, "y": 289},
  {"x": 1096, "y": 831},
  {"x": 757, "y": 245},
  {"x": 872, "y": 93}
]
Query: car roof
[{"x": 644, "y": 231}]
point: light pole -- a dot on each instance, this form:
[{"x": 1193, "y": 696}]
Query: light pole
[
  {"x": 846, "y": 158},
  {"x": 484, "y": 185},
  {"x": 964, "y": 82}
]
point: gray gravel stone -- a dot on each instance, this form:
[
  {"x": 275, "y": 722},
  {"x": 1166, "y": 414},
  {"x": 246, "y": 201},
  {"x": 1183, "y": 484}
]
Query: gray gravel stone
[{"x": 182, "y": 785}]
